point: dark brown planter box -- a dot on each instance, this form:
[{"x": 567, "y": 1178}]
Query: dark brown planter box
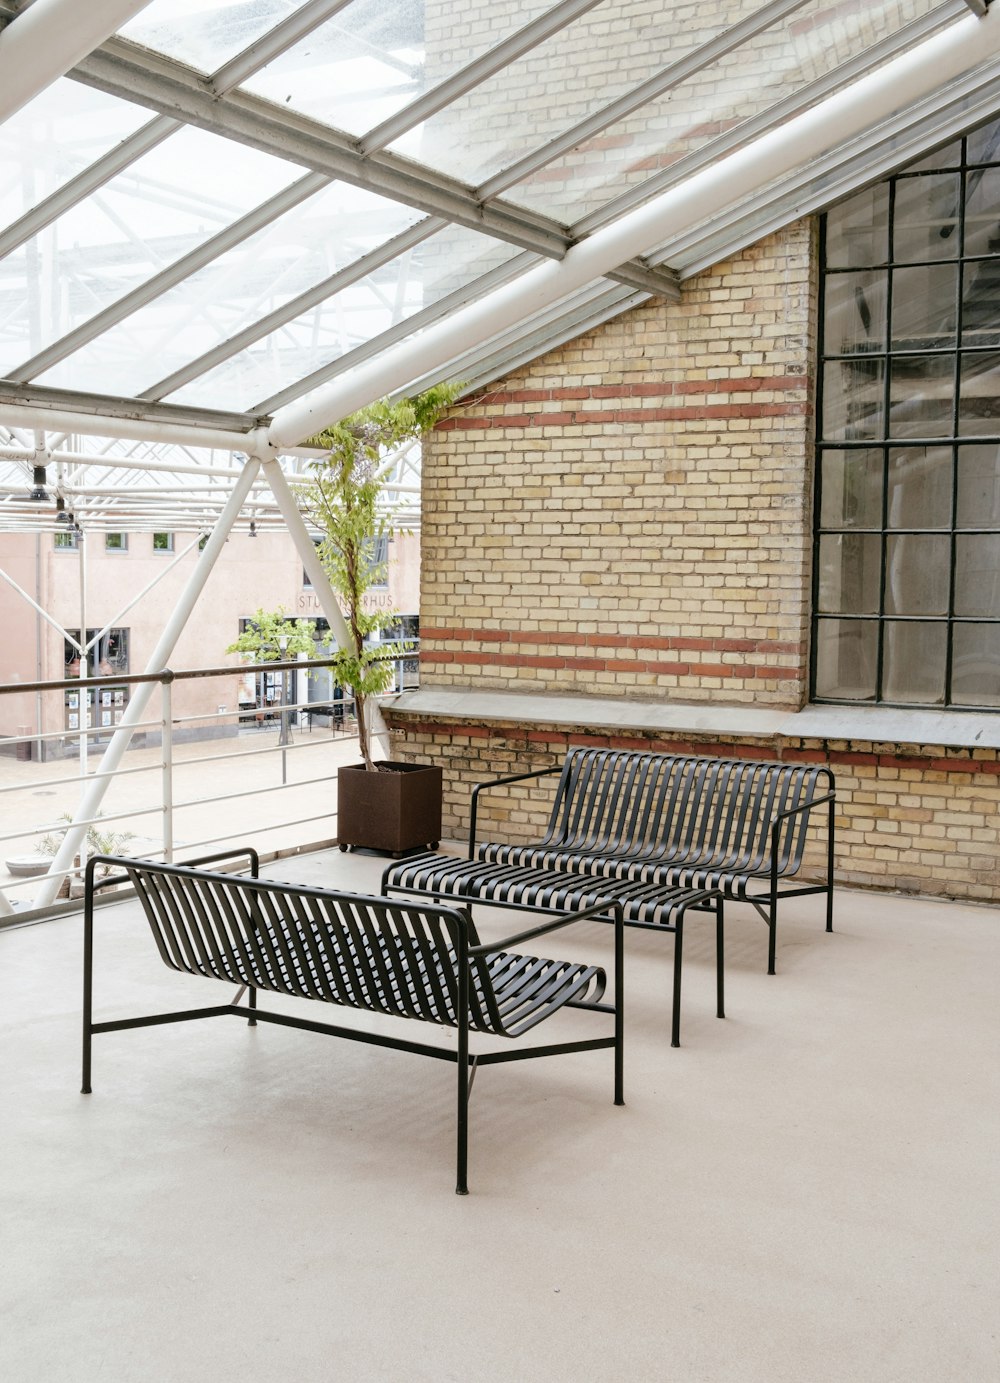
[{"x": 396, "y": 810}]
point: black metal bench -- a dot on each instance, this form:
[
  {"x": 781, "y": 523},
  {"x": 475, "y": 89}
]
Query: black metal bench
[
  {"x": 695, "y": 828},
  {"x": 416, "y": 961}
]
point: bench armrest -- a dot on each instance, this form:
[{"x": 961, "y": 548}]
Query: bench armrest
[
  {"x": 499, "y": 782},
  {"x": 246, "y": 851}
]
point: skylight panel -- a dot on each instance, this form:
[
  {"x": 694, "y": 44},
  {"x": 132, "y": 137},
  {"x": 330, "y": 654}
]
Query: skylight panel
[
  {"x": 205, "y": 34},
  {"x": 160, "y": 208},
  {"x": 315, "y": 240},
  {"x": 770, "y": 67},
  {"x": 446, "y": 263},
  {"x": 606, "y": 52},
  {"x": 58, "y": 134},
  {"x": 376, "y": 56}
]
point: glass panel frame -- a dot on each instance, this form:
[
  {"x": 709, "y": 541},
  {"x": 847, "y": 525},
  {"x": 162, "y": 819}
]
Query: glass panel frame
[{"x": 908, "y": 447}]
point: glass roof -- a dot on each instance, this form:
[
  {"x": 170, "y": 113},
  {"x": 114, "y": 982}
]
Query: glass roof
[{"x": 229, "y": 202}]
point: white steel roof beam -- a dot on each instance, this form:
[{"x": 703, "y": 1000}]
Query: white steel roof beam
[
  {"x": 842, "y": 116},
  {"x": 43, "y": 42},
  {"x": 134, "y": 74}
]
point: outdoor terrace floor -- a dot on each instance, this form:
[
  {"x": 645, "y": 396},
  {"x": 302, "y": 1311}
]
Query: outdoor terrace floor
[{"x": 806, "y": 1191}]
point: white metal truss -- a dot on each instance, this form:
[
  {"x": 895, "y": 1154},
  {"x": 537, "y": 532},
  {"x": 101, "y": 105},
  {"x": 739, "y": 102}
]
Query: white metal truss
[{"x": 365, "y": 324}]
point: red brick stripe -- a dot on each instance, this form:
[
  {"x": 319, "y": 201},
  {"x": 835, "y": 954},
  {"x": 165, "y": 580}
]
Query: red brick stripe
[
  {"x": 719, "y": 400},
  {"x": 719, "y": 412},
  {"x": 665, "y": 643}
]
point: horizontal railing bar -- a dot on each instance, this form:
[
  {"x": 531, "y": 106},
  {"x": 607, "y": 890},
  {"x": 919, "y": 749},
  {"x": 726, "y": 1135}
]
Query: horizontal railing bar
[
  {"x": 250, "y": 792},
  {"x": 185, "y": 674},
  {"x": 241, "y": 836},
  {"x": 88, "y": 732}
]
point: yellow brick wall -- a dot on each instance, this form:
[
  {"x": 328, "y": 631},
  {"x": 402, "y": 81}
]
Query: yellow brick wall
[{"x": 629, "y": 515}]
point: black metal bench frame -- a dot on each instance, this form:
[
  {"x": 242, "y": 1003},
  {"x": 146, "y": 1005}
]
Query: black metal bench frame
[
  {"x": 700, "y": 827},
  {"x": 670, "y": 850},
  {"x": 375, "y": 954}
]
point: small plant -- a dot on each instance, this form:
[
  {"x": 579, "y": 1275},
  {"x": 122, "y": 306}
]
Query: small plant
[
  {"x": 100, "y": 841},
  {"x": 345, "y": 502}
]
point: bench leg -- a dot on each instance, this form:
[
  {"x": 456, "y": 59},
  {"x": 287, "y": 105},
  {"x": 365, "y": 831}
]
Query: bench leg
[
  {"x": 675, "y": 1030},
  {"x": 462, "y": 1170},
  {"x": 88, "y": 990},
  {"x": 772, "y": 932},
  {"x": 720, "y": 963},
  {"x": 252, "y": 1002},
  {"x": 619, "y": 1011}
]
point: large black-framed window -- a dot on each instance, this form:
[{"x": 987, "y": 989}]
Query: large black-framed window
[{"x": 906, "y": 595}]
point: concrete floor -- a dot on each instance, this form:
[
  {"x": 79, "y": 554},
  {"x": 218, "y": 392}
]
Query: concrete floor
[{"x": 806, "y": 1191}]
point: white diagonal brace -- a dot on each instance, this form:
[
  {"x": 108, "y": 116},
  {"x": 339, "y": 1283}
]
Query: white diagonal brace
[
  {"x": 45, "y": 41},
  {"x": 93, "y": 794},
  {"x": 858, "y": 107},
  {"x": 322, "y": 589},
  {"x": 38, "y": 610}
]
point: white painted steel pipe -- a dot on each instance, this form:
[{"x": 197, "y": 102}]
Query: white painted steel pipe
[
  {"x": 93, "y": 793},
  {"x": 131, "y": 429},
  {"x": 49, "y": 38},
  {"x": 893, "y": 87}
]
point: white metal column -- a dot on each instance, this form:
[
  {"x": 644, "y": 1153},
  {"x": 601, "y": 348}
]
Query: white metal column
[
  {"x": 49, "y": 38},
  {"x": 93, "y": 794}
]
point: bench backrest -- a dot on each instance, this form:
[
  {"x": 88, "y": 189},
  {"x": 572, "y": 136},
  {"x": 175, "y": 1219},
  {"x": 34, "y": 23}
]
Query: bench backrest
[
  {"x": 342, "y": 948},
  {"x": 680, "y": 808}
]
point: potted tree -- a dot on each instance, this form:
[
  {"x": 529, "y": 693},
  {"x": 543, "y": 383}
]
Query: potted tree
[{"x": 381, "y": 804}]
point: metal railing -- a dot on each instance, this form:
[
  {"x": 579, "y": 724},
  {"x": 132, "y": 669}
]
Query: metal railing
[{"x": 180, "y": 787}]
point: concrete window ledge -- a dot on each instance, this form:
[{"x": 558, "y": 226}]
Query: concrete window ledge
[{"x": 875, "y": 725}]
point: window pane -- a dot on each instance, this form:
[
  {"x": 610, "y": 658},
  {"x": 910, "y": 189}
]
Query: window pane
[
  {"x": 983, "y": 145},
  {"x": 854, "y": 312},
  {"x": 948, "y": 157},
  {"x": 913, "y": 662},
  {"x": 982, "y": 197},
  {"x": 979, "y": 395},
  {"x": 163, "y": 542},
  {"x": 977, "y": 574},
  {"x": 921, "y": 396},
  {"x": 853, "y": 400},
  {"x": 924, "y": 307},
  {"x": 857, "y": 232},
  {"x": 851, "y": 489},
  {"x": 846, "y": 659},
  {"x": 980, "y": 294},
  {"x": 917, "y": 574},
  {"x": 925, "y": 217},
  {"x": 979, "y": 486},
  {"x": 975, "y": 665},
  {"x": 919, "y": 487},
  {"x": 849, "y": 573}
]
